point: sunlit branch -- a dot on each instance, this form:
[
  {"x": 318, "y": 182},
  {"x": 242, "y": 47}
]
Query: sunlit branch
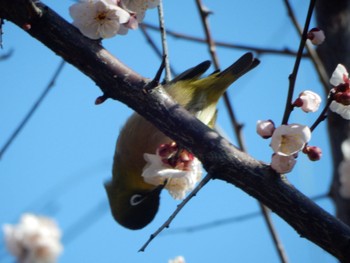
[{"x": 33, "y": 109}]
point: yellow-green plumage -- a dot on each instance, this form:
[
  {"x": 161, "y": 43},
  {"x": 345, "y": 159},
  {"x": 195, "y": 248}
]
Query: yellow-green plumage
[{"x": 200, "y": 97}]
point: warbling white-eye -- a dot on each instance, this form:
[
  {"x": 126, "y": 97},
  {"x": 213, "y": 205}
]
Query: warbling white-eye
[{"x": 134, "y": 203}]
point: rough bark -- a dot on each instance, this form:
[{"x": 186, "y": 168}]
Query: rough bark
[{"x": 219, "y": 157}]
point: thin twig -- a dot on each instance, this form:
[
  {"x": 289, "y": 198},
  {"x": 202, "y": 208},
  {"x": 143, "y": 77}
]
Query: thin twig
[
  {"x": 318, "y": 64},
  {"x": 164, "y": 41},
  {"x": 154, "y": 46},
  {"x": 166, "y": 224},
  {"x": 33, "y": 109},
  {"x": 323, "y": 114},
  {"x": 238, "y": 127},
  {"x": 293, "y": 75},
  {"x": 258, "y": 50}
]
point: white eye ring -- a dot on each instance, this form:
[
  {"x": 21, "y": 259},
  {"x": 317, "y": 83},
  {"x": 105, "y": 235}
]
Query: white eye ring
[{"x": 136, "y": 199}]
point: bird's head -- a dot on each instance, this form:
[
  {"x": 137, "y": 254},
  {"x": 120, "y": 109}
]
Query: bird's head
[{"x": 133, "y": 209}]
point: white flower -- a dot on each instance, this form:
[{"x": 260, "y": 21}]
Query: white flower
[
  {"x": 345, "y": 148},
  {"x": 98, "y": 18},
  {"x": 290, "y": 139},
  {"x": 339, "y": 76},
  {"x": 344, "y": 178},
  {"x": 178, "y": 259},
  {"x": 341, "y": 109},
  {"x": 265, "y": 128},
  {"x": 316, "y": 36},
  {"x": 34, "y": 240},
  {"x": 139, "y": 7},
  {"x": 310, "y": 101},
  {"x": 282, "y": 164},
  {"x": 179, "y": 181}
]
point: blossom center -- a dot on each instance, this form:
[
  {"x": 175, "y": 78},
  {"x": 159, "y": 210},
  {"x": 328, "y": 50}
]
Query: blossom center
[
  {"x": 175, "y": 157},
  {"x": 101, "y": 16}
]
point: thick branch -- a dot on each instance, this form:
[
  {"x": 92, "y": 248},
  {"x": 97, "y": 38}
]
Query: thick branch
[{"x": 219, "y": 157}]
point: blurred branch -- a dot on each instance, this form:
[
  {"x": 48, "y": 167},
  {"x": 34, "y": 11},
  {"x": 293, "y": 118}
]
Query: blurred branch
[
  {"x": 318, "y": 64},
  {"x": 334, "y": 20},
  {"x": 218, "y": 156},
  {"x": 237, "y": 127},
  {"x": 7, "y": 55},
  {"x": 32, "y": 109},
  {"x": 293, "y": 76},
  {"x": 257, "y": 50}
]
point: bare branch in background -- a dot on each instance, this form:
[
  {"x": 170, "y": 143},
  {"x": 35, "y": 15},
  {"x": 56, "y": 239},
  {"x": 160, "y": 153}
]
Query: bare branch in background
[
  {"x": 238, "y": 128},
  {"x": 255, "y": 49},
  {"x": 32, "y": 109}
]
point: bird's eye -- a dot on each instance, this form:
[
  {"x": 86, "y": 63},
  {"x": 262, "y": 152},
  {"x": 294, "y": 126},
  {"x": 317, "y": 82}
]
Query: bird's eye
[{"x": 136, "y": 199}]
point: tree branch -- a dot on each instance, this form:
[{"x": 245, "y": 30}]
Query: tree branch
[{"x": 218, "y": 156}]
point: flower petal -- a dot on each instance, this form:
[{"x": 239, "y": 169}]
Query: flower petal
[{"x": 338, "y": 75}]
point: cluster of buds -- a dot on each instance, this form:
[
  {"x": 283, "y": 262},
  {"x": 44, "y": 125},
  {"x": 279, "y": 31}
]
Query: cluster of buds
[{"x": 288, "y": 140}]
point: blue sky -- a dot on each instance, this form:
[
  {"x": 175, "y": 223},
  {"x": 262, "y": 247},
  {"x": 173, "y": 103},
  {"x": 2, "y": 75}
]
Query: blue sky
[{"x": 59, "y": 162}]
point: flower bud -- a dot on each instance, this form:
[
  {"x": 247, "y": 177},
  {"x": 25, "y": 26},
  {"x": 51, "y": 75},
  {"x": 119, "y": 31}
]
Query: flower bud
[
  {"x": 308, "y": 101},
  {"x": 316, "y": 36},
  {"x": 313, "y": 152},
  {"x": 265, "y": 128}
]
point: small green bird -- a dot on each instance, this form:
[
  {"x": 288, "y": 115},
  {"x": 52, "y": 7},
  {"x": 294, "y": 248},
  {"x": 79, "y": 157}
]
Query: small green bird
[{"x": 134, "y": 203}]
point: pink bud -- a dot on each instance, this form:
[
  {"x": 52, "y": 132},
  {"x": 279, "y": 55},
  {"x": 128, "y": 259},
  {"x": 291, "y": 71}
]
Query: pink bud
[
  {"x": 316, "y": 36},
  {"x": 265, "y": 128},
  {"x": 313, "y": 152}
]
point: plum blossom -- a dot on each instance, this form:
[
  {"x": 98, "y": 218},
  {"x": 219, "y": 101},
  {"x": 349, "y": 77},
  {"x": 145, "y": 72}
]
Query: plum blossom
[
  {"x": 290, "y": 139},
  {"x": 181, "y": 170},
  {"x": 137, "y": 10},
  {"x": 341, "y": 92},
  {"x": 35, "y": 239},
  {"x": 308, "y": 101},
  {"x": 344, "y": 170},
  {"x": 282, "y": 164},
  {"x": 98, "y": 18},
  {"x": 178, "y": 259},
  {"x": 316, "y": 36}
]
